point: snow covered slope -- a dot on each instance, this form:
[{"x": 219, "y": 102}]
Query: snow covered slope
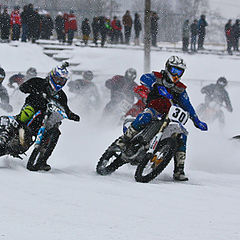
[{"x": 72, "y": 202}]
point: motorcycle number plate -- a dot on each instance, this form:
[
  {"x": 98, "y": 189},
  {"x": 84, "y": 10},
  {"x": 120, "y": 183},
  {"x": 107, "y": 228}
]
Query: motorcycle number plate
[{"x": 177, "y": 114}]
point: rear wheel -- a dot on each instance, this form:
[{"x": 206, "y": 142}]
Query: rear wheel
[
  {"x": 110, "y": 161},
  {"x": 154, "y": 164}
]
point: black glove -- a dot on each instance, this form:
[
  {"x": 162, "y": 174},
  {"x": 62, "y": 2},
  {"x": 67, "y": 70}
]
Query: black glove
[{"x": 74, "y": 117}]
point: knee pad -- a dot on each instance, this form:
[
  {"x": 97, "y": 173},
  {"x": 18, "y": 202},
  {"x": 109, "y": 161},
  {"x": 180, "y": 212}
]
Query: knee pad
[
  {"x": 26, "y": 113},
  {"x": 143, "y": 119}
]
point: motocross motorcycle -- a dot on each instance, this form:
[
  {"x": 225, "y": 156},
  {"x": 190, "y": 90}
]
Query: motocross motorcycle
[
  {"x": 211, "y": 112},
  {"x": 41, "y": 131},
  {"x": 151, "y": 149}
]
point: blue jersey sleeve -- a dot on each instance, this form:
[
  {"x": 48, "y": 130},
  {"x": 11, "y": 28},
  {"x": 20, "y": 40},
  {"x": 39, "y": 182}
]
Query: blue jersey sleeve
[
  {"x": 185, "y": 103},
  {"x": 148, "y": 80}
]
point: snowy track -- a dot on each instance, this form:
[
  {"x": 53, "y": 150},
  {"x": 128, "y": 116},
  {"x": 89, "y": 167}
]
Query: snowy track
[{"x": 72, "y": 202}]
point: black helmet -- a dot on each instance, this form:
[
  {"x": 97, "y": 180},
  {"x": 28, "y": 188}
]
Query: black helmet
[
  {"x": 222, "y": 81},
  {"x": 88, "y": 75},
  {"x": 2, "y": 74},
  {"x": 31, "y": 72},
  {"x": 131, "y": 74}
]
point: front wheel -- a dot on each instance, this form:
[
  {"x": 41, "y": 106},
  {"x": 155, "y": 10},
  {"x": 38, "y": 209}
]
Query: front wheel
[
  {"x": 154, "y": 164},
  {"x": 40, "y": 155},
  {"x": 110, "y": 161}
]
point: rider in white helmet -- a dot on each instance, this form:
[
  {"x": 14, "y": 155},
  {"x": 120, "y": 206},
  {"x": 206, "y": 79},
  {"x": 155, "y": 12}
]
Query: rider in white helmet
[{"x": 158, "y": 105}]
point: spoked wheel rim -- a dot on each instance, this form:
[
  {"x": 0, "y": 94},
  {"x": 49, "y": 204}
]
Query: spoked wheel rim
[
  {"x": 109, "y": 160},
  {"x": 156, "y": 159}
]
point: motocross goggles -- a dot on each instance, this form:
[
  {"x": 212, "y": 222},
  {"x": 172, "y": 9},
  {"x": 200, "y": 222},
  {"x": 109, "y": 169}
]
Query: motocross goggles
[
  {"x": 175, "y": 71},
  {"x": 59, "y": 80}
]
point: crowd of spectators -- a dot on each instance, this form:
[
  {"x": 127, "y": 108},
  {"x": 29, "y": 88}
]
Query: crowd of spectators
[{"x": 31, "y": 24}]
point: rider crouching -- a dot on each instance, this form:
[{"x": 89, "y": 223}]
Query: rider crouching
[
  {"x": 40, "y": 90},
  {"x": 158, "y": 105}
]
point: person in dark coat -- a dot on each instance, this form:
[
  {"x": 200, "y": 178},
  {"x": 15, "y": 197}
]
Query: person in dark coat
[
  {"x": 127, "y": 23},
  {"x": 5, "y": 25},
  {"x": 103, "y": 30},
  {"x": 236, "y": 34},
  {"x": 25, "y": 31},
  {"x": 202, "y": 24},
  {"x": 228, "y": 34},
  {"x": 185, "y": 35},
  {"x": 194, "y": 33},
  {"x": 46, "y": 26},
  {"x": 59, "y": 26},
  {"x": 33, "y": 22},
  {"x": 86, "y": 30},
  {"x": 95, "y": 29},
  {"x": 137, "y": 28},
  {"x": 154, "y": 28}
]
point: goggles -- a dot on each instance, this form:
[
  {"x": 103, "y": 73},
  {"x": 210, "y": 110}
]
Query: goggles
[
  {"x": 176, "y": 71},
  {"x": 59, "y": 80}
]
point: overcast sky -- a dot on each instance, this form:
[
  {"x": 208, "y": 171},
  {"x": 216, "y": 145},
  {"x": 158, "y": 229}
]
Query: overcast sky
[{"x": 227, "y": 8}]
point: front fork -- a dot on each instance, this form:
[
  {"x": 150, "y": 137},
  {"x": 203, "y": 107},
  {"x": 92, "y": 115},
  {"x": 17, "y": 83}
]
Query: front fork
[{"x": 154, "y": 142}]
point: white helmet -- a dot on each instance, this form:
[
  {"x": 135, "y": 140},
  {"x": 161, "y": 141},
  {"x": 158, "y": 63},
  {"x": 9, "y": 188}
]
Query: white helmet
[{"x": 175, "y": 67}]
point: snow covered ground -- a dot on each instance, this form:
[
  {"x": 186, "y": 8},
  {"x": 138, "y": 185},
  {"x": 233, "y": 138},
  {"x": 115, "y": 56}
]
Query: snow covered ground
[{"x": 72, "y": 202}]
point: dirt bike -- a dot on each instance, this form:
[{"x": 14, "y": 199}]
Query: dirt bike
[
  {"x": 157, "y": 141},
  {"x": 211, "y": 111},
  {"x": 47, "y": 136}
]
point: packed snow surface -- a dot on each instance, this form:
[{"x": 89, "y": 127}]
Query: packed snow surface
[{"x": 72, "y": 202}]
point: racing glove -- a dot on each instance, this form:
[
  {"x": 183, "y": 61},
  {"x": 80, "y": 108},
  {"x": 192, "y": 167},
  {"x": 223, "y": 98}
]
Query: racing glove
[
  {"x": 199, "y": 124},
  {"x": 73, "y": 116}
]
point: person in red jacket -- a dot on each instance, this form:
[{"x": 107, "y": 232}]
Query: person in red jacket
[
  {"x": 72, "y": 26},
  {"x": 15, "y": 23},
  {"x": 65, "y": 17},
  {"x": 116, "y": 30}
]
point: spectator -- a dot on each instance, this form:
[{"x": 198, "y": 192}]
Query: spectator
[
  {"x": 103, "y": 30},
  {"x": 66, "y": 26},
  {"x": 127, "y": 23},
  {"x": 33, "y": 22},
  {"x": 24, "y": 17},
  {"x": 236, "y": 34},
  {"x": 194, "y": 33},
  {"x": 46, "y": 26},
  {"x": 228, "y": 33},
  {"x": 109, "y": 28},
  {"x": 202, "y": 24},
  {"x": 116, "y": 29},
  {"x": 86, "y": 30},
  {"x": 5, "y": 25},
  {"x": 137, "y": 28},
  {"x": 185, "y": 35},
  {"x": 15, "y": 23},
  {"x": 59, "y": 26},
  {"x": 95, "y": 29},
  {"x": 154, "y": 28},
  {"x": 72, "y": 26}
]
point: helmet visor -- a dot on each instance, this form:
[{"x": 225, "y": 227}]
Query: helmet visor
[
  {"x": 176, "y": 71},
  {"x": 59, "y": 80}
]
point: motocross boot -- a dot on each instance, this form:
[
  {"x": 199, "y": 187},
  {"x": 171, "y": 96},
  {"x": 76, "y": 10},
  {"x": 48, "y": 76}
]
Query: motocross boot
[
  {"x": 125, "y": 138},
  {"x": 178, "y": 173},
  {"x": 42, "y": 165}
]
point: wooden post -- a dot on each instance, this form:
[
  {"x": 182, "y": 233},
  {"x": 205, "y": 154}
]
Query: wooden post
[{"x": 147, "y": 36}]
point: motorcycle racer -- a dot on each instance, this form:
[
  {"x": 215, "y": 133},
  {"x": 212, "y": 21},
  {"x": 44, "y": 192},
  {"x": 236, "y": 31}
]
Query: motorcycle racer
[{"x": 158, "y": 105}]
